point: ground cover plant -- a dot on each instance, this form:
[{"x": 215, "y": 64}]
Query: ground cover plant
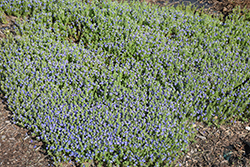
[{"x": 125, "y": 92}]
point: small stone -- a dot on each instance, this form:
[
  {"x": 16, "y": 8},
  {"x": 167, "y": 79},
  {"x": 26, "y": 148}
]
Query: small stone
[
  {"x": 247, "y": 128},
  {"x": 3, "y": 137}
]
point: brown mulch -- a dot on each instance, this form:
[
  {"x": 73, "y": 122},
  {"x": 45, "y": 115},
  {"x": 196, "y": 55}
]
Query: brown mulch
[
  {"x": 226, "y": 146},
  {"x": 211, "y": 7}
]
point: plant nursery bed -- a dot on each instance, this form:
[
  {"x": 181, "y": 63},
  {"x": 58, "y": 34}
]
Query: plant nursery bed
[{"x": 217, "y": 144}]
